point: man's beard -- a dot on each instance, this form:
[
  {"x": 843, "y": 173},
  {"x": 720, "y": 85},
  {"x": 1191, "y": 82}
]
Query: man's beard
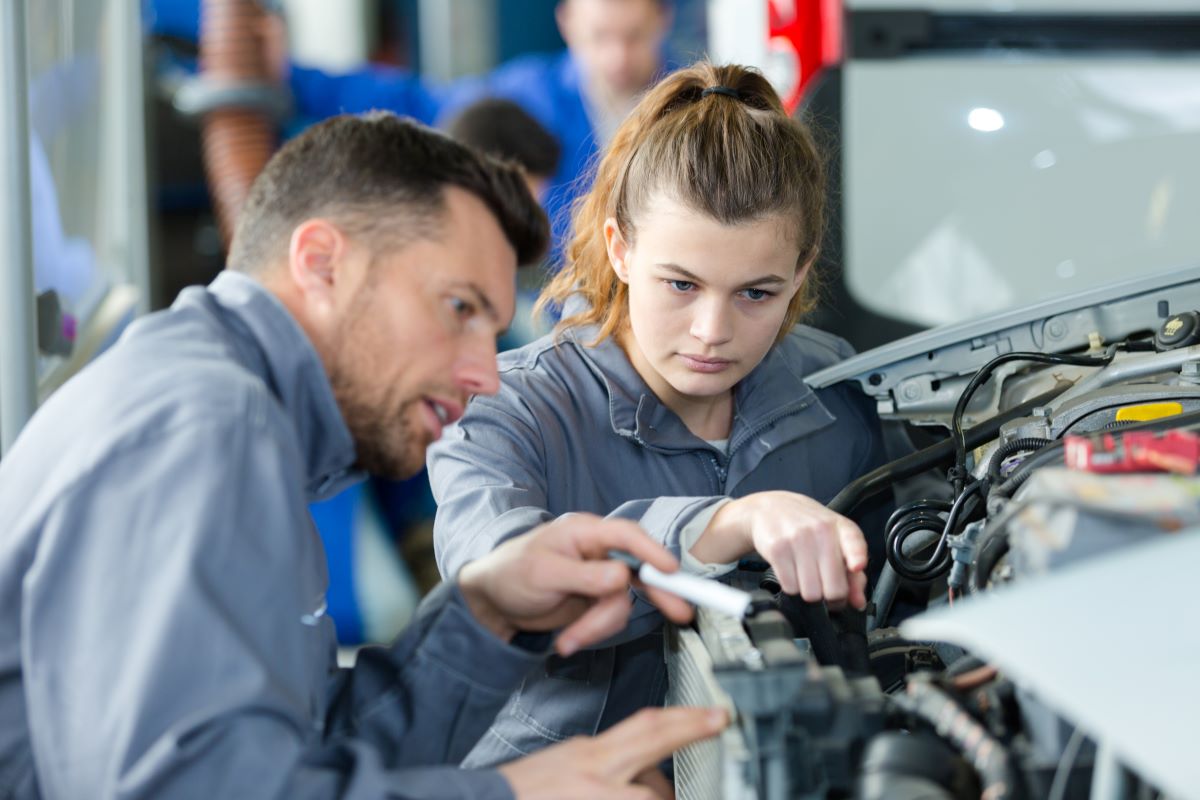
[
  {"x": 387, "y": 441},
  {"x": 385, "y": 444}
]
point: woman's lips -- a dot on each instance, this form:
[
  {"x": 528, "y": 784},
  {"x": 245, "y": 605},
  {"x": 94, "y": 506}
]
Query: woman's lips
[{"x": 703, "y": 364}]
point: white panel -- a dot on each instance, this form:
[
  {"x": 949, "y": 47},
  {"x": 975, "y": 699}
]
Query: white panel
[{"x": 1111, "y": 644}]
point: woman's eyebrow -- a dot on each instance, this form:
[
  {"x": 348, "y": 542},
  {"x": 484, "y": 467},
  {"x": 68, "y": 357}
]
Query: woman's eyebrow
[{"x": 769, "y": 280}]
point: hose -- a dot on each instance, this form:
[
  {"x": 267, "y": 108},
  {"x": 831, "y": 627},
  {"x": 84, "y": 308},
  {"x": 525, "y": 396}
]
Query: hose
[
  {"x": 986, "y": 754},
  {"x": 1010, "y": 449},
  {"x": 985, "y": 372},
  {"x": 236, "y": 142},
  {"x": 923, "y": 519},
  {"x": 882, "y": 478}
]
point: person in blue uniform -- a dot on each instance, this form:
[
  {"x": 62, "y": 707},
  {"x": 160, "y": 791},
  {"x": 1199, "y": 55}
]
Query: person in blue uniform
[{"x": 614, "y": 52}]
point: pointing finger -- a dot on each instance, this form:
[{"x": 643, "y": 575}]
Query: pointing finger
[{"x": 854, "y": 545}]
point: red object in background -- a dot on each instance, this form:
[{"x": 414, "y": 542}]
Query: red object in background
[
  {"x": 1136, "y": 451},
  {"x": 809, "y": 34}
]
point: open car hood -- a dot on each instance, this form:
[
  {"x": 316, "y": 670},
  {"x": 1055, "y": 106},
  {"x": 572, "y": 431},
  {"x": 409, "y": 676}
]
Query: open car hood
[{"x": 920, "y": 377}]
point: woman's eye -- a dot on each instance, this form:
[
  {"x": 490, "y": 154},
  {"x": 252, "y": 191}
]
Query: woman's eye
[
  {"x": 681, "y": 286},
  {"x": 756, "y": 294}
]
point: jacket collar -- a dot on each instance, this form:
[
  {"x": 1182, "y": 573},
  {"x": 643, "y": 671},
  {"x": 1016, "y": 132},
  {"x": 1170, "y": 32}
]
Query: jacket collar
[
  {"x": 772, "y": 393},
  {"x": 274, "y": 346}
]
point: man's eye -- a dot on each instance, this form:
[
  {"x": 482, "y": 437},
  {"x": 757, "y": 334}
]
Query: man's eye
[
  {"x": 682, "y": 286},
  {"x": 756, "y": 295},
  {"x": 463, "y": 309}
]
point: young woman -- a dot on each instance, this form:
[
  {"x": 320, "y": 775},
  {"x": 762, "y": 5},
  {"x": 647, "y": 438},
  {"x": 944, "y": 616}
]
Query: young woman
[{"x": 673, "y": 391}]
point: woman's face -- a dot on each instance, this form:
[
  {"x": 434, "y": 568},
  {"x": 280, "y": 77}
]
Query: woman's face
[{"x": 706, "y": 300}]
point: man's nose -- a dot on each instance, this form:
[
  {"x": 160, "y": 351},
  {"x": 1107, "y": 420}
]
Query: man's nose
[
  {"x": 713, "y": 322},
  {"x": 475, "y": 370}
]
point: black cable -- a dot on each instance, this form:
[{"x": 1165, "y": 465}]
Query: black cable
[
  {"x": 1049, "y": 454},
  {"x": 882, "y": 478},
  {"x": 909, "y": 519},
  {"x": 967, "y": 502},
  {"x": 1009, "y": 449},
  {"x": 959, "y": 471}
]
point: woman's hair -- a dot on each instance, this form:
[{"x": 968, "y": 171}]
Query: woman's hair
[{"x": 735, "y": 158}]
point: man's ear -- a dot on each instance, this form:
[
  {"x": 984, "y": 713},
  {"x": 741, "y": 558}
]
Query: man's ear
[
  {"x": 316, "y": 253},
  {"x": 618, "y": 249}
]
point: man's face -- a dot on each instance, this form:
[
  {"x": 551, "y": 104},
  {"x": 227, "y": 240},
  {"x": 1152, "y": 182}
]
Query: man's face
[
  {"x": 706, "y": 300},
  {"x": 618, "y": 43},
  {"x": 417, "y": 337}
]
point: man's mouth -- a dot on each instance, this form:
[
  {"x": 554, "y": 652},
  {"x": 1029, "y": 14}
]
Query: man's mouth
[{"x": 446, "y": 412}]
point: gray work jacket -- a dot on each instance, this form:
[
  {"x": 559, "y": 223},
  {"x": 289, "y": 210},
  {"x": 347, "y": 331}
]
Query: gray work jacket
[
  {"x": 575, "y": 428},
  {"x": 162, "y": 626}
]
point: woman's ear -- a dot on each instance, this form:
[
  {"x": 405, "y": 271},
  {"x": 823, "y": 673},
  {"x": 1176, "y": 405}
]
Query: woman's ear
[
  {"x": 801, "y": 274},
  {"x": 618, "y": 249}
]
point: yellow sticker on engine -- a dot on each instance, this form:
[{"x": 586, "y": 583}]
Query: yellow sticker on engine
[{"x": 1148, "y": 411}]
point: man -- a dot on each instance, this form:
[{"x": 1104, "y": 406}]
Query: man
[
  {"x": 614, "y": 51},
  {"x": 162, "y": 619}
]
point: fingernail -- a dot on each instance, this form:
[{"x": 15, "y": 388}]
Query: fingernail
[
  {"x": 716, "y": 717},
  {"x": 567, "y": 647}
]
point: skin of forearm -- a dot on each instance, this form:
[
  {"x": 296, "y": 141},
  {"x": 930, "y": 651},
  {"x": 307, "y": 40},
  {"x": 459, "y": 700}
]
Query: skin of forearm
[
  {"x": 727, "y": 537},
  {"x": 471, "y": 582}
]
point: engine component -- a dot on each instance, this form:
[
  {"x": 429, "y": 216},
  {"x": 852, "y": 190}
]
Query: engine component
[
  {"x": 988, "y": 756},
  {"x": 799, "y": 729},
  {"x": 904, "y": 766},
  {"x": 1135, "y": 451},
  {"x": 1180, "y": 330},
  {"x": 1063, "y": 516}
]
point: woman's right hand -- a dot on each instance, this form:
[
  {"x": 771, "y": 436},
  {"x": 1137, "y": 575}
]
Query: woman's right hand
[{"x": 816, "y": 553}]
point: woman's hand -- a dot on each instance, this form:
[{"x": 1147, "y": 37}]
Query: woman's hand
[{"x": 816, "y": 553}]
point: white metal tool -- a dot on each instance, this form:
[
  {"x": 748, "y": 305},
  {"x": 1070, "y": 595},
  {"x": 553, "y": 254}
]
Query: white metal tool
[{"x": 704, "y": 592}]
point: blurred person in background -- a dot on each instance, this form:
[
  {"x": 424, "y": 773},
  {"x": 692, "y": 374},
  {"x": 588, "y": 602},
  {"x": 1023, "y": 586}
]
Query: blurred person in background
[{"x": 615, "y": 50}]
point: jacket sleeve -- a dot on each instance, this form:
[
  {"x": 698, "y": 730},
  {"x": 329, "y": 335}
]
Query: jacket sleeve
[
  {"x": 489, "y": 477},
  {"x": 177, "y": 645}
]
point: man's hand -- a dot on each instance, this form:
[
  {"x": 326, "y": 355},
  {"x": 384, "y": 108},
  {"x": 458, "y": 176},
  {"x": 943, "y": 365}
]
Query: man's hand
[
  {"x": 815, "y": 552},
  {"x": 607, "y": 765},
  {"x": 559, "y": 574}
]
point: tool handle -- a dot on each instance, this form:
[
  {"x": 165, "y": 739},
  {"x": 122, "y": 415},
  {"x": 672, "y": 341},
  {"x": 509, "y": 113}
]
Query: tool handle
[{"x": 700, "y": 591}]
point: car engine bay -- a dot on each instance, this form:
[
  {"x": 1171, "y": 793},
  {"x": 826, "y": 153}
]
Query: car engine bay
[{"x": 1064, "y": 442}]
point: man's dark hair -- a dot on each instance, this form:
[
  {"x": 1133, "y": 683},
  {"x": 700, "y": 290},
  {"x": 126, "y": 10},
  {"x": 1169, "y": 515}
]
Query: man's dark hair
[
  {"x": 503, "y": 129},
  {"x": 383, "y": 178}
]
